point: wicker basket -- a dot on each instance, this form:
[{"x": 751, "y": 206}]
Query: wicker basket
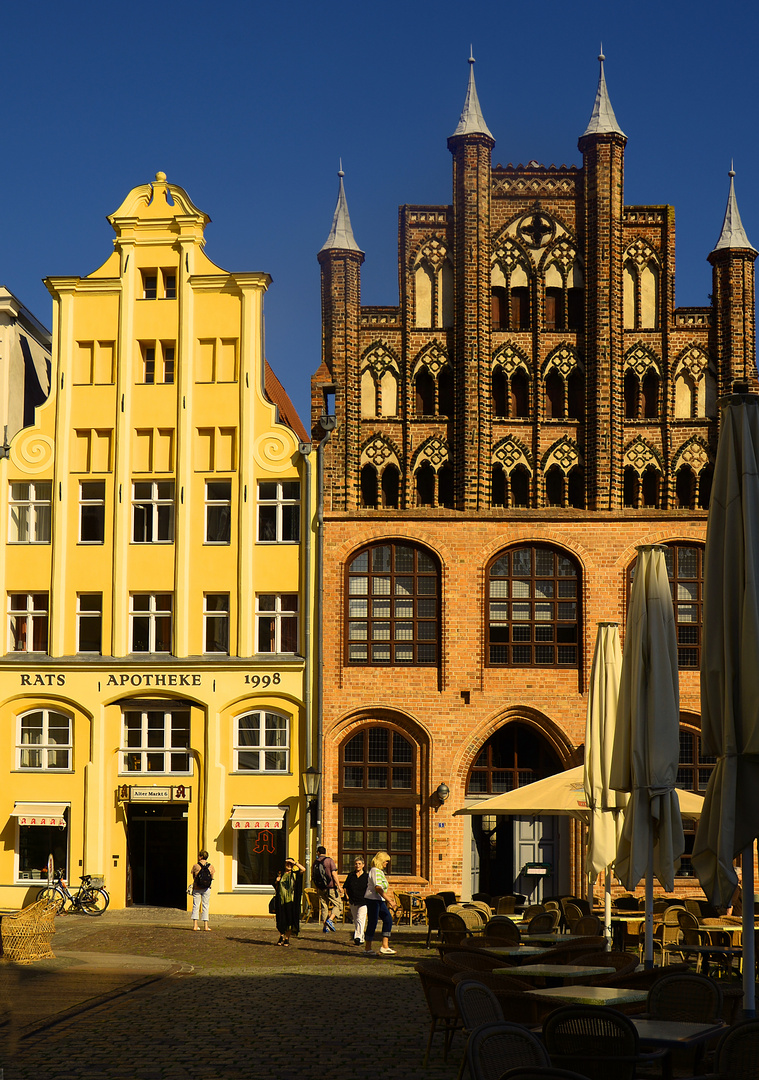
[
  {"x": 97, "y": 881},
  {"x": 27, "y": 934}
]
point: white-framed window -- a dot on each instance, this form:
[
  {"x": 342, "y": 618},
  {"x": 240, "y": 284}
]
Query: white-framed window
[
  {"x": 44, "y": 741},
  {"x": 156, "y": 741},
  {"x": 34, "y": 843},
  {"x": 27, "y": 622},
  {"x": 259, "y": 853},
  {"x": 92, "y": 511},
  {"x": 89, "y": 622},
  {"x": 29, "y": 512},
  {"x": 218, "y": 511},
  {"x": 279, "y": 512},
  {"x": 151, "y": 617},
  {"x": 277, "y": 622},
  {"x": 153, "y": 511},
  {"x": 262, "y": 742},
  {"x": 216, "y": 622}
]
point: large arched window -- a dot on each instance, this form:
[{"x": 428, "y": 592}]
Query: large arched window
[
  {"x": 44, "y": 740},
  {"x": 514, "y": 756},
  {"x": 393, "y": 597},
  {"x": 378, "y": 798},
  {"x": 686, "y": 580},
  {"x": 533, "y": 608}
]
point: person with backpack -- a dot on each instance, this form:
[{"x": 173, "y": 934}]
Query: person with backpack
[
  {"x": 324, "y": 880},
  {"x": 202, "y": 876}
]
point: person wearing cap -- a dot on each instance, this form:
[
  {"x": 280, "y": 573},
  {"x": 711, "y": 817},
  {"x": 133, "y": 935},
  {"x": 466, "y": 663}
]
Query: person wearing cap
[
  {"x": 329, "y": 894},
  {"x": 288, "y": 891}
]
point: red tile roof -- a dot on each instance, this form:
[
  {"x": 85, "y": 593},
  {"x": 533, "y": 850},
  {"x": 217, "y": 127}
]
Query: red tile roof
[{"x": 277, "y": 394}]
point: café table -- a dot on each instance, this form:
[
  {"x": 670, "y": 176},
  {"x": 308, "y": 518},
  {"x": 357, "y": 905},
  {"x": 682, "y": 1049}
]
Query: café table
[
  {"x": 590, "y": 995},
  {"x": 557, "y": 974},
  {"x": 708, "y": 952},
  {"x": 676, "y": 1033},
  {"x": 525, "y": 952},
  {"x": 553, "y": 938}
]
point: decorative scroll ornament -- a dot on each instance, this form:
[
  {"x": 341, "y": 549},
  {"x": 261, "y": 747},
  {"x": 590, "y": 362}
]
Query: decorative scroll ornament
[
  {"x": 32, "y": 452},
  {"x": 273, "y": 451},
  {"x": 564, "y": 255},
  {"x": 508, "y": 256}
]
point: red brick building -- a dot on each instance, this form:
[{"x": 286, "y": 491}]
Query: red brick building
[{"x": 534, "y": 408}]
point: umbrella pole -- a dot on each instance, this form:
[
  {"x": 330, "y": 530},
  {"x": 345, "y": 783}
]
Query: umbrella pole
[
  {"x": 749, "y": 964},
  {"x": 607, "y": 907},
  {"x": 649, "y": 930}
]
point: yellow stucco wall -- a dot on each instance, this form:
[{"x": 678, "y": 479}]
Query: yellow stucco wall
[{"x": 105, "y": 421}]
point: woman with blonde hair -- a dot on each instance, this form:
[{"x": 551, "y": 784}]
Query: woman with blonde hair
[{"x": 376, "y": 905}]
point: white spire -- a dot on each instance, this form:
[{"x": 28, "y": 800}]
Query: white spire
[
  {"x": 733, "y": 234},
  {"x": 602, "y": 119},
  {"x": 472, "y": 121},
  {"x": 341, "y": 233}
]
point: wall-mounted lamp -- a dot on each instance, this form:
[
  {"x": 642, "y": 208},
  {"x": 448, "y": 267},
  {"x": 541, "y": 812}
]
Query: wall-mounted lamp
[
  {"x": 442, "y": 791},
  {"x": 5, "y": 449},
  {"x": 311, "y": 780}
]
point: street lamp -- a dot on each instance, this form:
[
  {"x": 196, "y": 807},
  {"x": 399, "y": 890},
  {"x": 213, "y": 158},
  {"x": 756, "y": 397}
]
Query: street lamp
[{"x": 311, "y": 780}]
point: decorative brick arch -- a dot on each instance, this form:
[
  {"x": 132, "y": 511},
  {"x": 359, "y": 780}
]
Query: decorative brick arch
[
  {"x": 565, "y": 453},
  {"x": 510, "y": 452},
  {"x": 433, "y": 450},
  {"x": 511, "y": 358},
  {"x": 695, "y": 453},
  {"x": 433, "y": 250},
  {"x": 694, "y": 359},
  {"x": 640, "y": 253},
  {"x": 433, "y": 356},
  {"x": 565, "y": 359},
  {"x": 641, "y": 359},
  {"x": 639, "y": 454},
  {"x": 508, "y": 254},
  {"x": 562, "y": 254},
  {"x": 380, "y": 451},
  {"x": 379, "y": 358}
]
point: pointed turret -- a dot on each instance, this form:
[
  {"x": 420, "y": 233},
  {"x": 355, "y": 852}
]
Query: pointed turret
[
  {"x": 733, "y": 234},
  {"x": 341, "y": 234},
  {"x": 472, "y": 121},
  {"x": 602, "y": 119},
  {"x": 733, "y": 276}
]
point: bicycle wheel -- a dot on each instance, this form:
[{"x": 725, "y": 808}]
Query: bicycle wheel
[
  {"x": 54, "y": 895},
  {"x": 93, "y": 901}
]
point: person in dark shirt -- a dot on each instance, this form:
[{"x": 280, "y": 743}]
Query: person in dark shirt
[{"x": 355, "y": 888}]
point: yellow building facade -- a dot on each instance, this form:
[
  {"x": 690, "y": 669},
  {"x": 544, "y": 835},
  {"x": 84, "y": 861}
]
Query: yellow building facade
[{"x": 155, "y": 692}]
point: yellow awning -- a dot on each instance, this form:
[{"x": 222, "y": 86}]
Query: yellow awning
[
  {"x": 39, "y": 813},
  {"x": 257, "y": 817}
]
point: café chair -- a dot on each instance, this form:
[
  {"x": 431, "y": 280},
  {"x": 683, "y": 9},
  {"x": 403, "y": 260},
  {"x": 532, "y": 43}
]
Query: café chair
[
  {"x": 737, "y": 1053},
  {"x": 531, "y": 910},
  {"x": 435, "y": 906},
  {"x": 688, "y": 998},
  {"x": 518, "y": 1007},
  {"x": 622, "y": 962},
  {"x": 495, "y": 1048},
  {"x": 472, "y": 960},
  {"x": 572, "y": 915},
  {"x": 449, "y": 897},
  {"x": 545, "y": 923},
  {"x": 596, "y": 1041},
  {"x": 484, "y": 898},
  {"x": 438, "y": 988},
  {"x": 477, "y": 1006},
  {"x": 506, "y": 905},
  {"x": 453, "y": 928},
  {"x": 588, "y": 925},
  {"x": 540, "y": 1072},
  {"x": 502, "y": 930},
  {"x": 472, "y": 914}
]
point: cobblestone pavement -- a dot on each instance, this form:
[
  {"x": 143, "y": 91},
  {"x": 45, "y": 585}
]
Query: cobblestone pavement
[{"x": 233, "y": 1006}]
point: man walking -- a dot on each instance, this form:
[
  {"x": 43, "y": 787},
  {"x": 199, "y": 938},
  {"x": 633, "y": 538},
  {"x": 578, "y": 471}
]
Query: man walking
[{"x": 324, "y": 880}]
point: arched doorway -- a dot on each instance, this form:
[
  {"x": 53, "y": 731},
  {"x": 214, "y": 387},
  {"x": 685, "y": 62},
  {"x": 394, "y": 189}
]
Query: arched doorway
[{"x": 503, "y": 847}]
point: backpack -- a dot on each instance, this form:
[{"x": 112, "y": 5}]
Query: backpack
[
  {"x": 319, "y": 877},
  {"x": 203, "y": 877}
]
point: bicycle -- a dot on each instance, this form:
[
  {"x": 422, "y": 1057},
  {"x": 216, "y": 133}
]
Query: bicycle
[{"x": 89, "y": 898}]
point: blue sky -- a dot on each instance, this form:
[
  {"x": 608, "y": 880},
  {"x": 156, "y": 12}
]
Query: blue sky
[{"x": 249, "y": 107}]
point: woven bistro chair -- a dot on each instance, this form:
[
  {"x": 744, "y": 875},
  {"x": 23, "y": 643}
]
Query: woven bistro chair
[
  {"x": 518, "y": 1007},
  {"x": 540, "y": 1072},
  {"x": 473, "y": 916},
  {"x": 531, "y": 910},
  {"x": 587, "y": 925},
  {"x": 689, "y": 998},
  {"x": 484, "y": 898},
  {"x": 502, "y": 930},
  {"x": 495, "y": 1048},
  {"x": 435, "y": 906},
  {"x": 737, "y": 1053},
  {"x": 404, "y": 905},
  {"x": 545, "y": 923},
  {"x": 622, "y": 962},
  {"x": 453, "y": 928},
  {"x": 448, "y": 897},
  {"x": 572, "y": 914},
  {"x": 595, "y": 1041},
  {"x": 477, "y": 1006},
  {"x": 472, "y": 960},
  {"x": 27, "y": 934},
  {"x": 506, "y": 905},
  {"x": 437, "y": 985}
]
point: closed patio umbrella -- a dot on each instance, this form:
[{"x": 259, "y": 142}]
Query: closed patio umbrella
[
  {"x": 647, "y": 736},
  {"x": 604, "y": 804},
  {"x": 730, "y": 671}
]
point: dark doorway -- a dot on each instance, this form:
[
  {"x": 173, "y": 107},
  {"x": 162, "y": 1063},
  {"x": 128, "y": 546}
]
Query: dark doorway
[{"x": 158, "y": 859}]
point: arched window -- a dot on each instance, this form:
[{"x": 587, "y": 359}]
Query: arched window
[
  {"x": 44, "y": 740},
  {"x": 555, "y": 308},
  {"x": 650, "y": 395},
  {"x": 499, "y": 392},
  {"x": 424, "y": 477},
  {"x": 650, "y": 487},
  {"x": 498, "y": 491},
  {"x": 555, "y": 408},
  {"x": 576, "y": 488},
  {"x": 632, "y": 395},
  {"x": 576, "y": 395},
  {"x": 575, "y": 309},
  {"x": 368, "y": 486},
  {"x": 425, "y": 393},
  {"x": 685, "y": 571},
  {"x": 631, "y": 488},
  {"x": 705, "y": 479},
  {"x": 520, "y": 394},
  {"x": 393, "y": 614},
  {"x": 445, "y": 486},
  {"x": 533, "y": 616},
  {"x": 519, "y": 480},
  {"x": 379, "y": 805},
  {"x": 685, "y": 487},
  {"x": 390, "y": 487},
  {"x": 445, "y": 391},
  {"x": 514, "y": 756},
  {"x": 555, "y": 486},
  {"x": 693, "y": 771}
]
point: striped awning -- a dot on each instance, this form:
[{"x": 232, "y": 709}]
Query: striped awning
[
  {"x": 39, "y": 813},
  {"x": 257, "y": 817}
]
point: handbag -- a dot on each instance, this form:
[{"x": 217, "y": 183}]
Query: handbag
[
  {"x": 273, "y": 904},
  {"x": 189, "y": 890}
]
